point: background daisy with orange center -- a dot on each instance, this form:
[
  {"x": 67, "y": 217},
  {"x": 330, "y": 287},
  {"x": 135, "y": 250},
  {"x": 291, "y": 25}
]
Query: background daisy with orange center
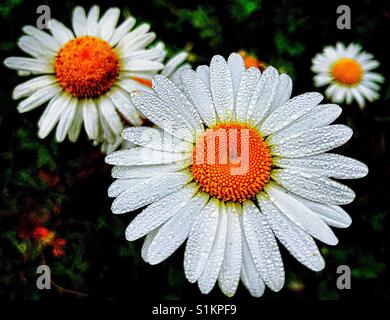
[
  {"x": 86, "y": 74},
  {"x": 347, "y": 73}
]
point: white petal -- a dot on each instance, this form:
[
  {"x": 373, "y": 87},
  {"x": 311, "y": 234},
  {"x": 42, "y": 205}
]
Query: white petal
[
  {"x": 312, "y": 187},
  {"x": 327, "y": 165},
  {"x": 333, "y": 215},
  {"x": 370, "y": 65},
  {"x": 367, "y": 93},
  {"x": 133, "y": 37},
  {"x": 263, "y": 96},
  {"x": 129, "y": 85},
  {"x": 300, "y": 244},
  {"x": 121, "y": 185},
  {"x": 43, "y": 38},
  {"x": 175, "y": 76},
  {"x": 75, "y": 128},
  {"x": 146, "y": 54},
  {"x": 174, "y": 232},
  {"x": 200, "y": 96},
  {"x": 200, "y": 240},
  {"x": 213, "y": 265},
  {"x": 340, "y": 49},
  {"x": 141, "y": 41},
  {"x": 339, "y": 95},
  {"x": 250, "y": 277},
  {"x": 290, "y": 111},
  {"x": 127, "y": 172},
  {"x": 204, "y": 73},
  {"x": 372, "y": 76},
  {"x": 221, "y": 88},
  {"x": 29, "y": 64},
  {"x": 29, "y": 87},
  {"x": 155, "y": 138},
  {"x": 352, "y": 50},
  {"x": 92, "y": 21},
  {"x": 245, "y": 92},
  {"x": 141, "y": 65},
  {"x": 79, "y": 21},
  {"x": 66, "y": 120},
  {"x": 91, "y": 118},
  {"x": 358, "y": 97},
  {"x": 158, "y": 213},
  {"x": 52, "y": 114},
  {"x": 237, "y": 68},
  {"x": 300, "y": 214},
  {"x": 330, "y": 53},
  {"x": 319, "y": 116},
  {"x": 163, "y": 115},
  {"x": 147, "y": 242},
  {"x": 322, "y": 79},
  {"x": 122, "y": 30},
  {"x": 60, "y": 32},
  {"x": 38, "y": 98},
  {"x": 173, "y": 63},
  {"x": 107, "y": 23},
  {"x": 168, "y": 92},
  {"x": 313, "y": 141},
  {"x": 31, "y": 46},
  {"x": 283, "y": 92},
  {"x": 263, "y": 247},
  {"x": 144, "y": 156},
  {"x": 331, "y": 91},
  {"x": 109, "y": 113},
  {"x": 105, "y": 131},
  {"x": 148, "y": 191},
  {"x": 229, "y": 276},
  {"x": 124, "y": 105}
]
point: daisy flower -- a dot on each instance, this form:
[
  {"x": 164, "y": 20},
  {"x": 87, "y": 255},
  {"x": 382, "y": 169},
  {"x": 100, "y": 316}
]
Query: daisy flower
[
  {"x": 347, "y": 71},
  {"x": 234, "y": 165},
  {"x": 171, "y": 70},
  {"x": 85, "y": 74}
]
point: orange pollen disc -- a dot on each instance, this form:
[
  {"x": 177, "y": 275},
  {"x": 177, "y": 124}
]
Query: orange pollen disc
[
  {"x": 86, "y": 67},
  {"x": 347, "y": 71},
  {"x": 231, "y": 162}
]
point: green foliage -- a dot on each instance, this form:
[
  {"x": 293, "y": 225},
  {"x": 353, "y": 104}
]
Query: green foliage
[
  {"x": 204, "y": 20},
  {"x": 243, "y": 9},
  {"x": 7, "y": 7}
]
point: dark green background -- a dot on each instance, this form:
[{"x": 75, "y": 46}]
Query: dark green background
[{"x": 98, "y": 260}]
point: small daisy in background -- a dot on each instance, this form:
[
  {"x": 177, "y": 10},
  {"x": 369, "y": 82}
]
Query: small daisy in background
[
  {"x": 275, "y": 179},
  {"x": 86, "y": 74},
  {"x": 347, "y": 71},
  {"x": 171, "y": 70}
]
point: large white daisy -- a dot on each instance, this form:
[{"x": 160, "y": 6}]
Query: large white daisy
[
  {"x": 235, "y": 165},
  {"x": 347, "y": 71},
  {"x": 86, "y": 74},
  {"x": 171, "y": 70}
]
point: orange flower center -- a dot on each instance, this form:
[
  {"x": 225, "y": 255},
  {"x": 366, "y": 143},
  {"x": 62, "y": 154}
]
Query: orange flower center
[
  {"x": 347, "y": 71},
  {"x": 231, "y": 162},
  {"x": 86, "y": 67}
]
